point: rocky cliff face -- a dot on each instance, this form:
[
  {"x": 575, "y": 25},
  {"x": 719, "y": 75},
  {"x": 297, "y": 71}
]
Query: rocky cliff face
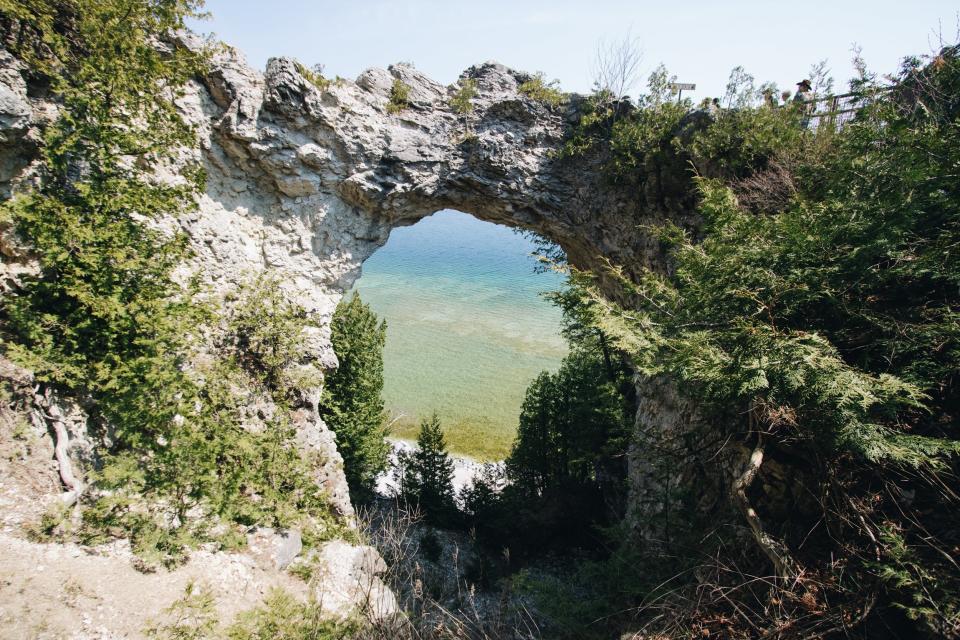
[{"x": 307, "y": 181}]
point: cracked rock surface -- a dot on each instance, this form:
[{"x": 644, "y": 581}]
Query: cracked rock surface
[{"x": 306, "y": 182}]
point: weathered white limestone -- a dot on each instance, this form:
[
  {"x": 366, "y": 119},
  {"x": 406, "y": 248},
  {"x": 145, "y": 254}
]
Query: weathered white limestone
[{"x": 306, "y": 182}]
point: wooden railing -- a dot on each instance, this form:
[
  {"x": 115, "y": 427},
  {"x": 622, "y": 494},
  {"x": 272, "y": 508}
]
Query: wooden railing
[{"x": 837, "y": 110}]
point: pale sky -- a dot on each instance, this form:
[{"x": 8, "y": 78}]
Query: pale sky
[{"x": 699, "y": 41}]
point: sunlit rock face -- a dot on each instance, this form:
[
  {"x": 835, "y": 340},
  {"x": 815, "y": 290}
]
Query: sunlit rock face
[{"x": 307, "y": 182}]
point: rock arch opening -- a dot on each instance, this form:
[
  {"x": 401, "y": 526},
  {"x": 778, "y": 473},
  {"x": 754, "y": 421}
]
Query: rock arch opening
[{"x": 467, "y": 327}]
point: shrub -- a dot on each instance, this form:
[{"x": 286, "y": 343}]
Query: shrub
[
  {"x": 788, "y": 327},
  {"x": 283, "y": 616},
  {"x": 460, "y": 102},
  {"x": 399, "y": 96},
  {"x": 265, "y": 335},
  {"x": 313, "y": 76},
  {"x": 191, "y": 617},
  {"x": 548, "y": 93},
  {"x": 106, "y": 321}
]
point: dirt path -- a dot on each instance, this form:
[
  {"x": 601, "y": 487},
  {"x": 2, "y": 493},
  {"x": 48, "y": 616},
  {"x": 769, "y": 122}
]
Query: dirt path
[{"x": 65, "y": 591}]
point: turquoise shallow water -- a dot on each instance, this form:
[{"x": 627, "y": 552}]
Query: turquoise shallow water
[{"x": 466, "y": 327}]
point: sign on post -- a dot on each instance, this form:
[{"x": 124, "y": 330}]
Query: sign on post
[{"x": 680, "y": 87}]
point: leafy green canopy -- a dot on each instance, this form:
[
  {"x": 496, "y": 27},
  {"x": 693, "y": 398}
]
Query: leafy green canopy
[
  {"x": 658, "y": 144},
  {"x": 105, "y": 320},
  {"x": 828, "y": 321},
  {"x": 352, "y": 403}
]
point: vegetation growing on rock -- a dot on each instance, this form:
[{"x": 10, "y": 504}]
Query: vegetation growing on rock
[
  {"x": 352, "y": 403},
  {"x": 537, "y": 88},
  {"x": 460, "y": 102},
  {"x": 106, "y": 321},
  {"x": 804, "y": 328},
  {"x": 399, "y": 96},
  {"x": 314, "y": 77},
  {"x": 814, "y": 323}
]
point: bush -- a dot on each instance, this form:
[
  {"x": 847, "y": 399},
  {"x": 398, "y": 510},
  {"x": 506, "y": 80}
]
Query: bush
[
  {"x": 283, "y": 616},
  {"x": 106, "y": 321},
  {"x": 788, "y": 326},
  {"x": 314, "y": 77},
  {"x": 460, "y": 103},
  {"x": 266, "y": 333},
  {"x": 399, "y": 96},
  {"x": 537, "y": 88}
]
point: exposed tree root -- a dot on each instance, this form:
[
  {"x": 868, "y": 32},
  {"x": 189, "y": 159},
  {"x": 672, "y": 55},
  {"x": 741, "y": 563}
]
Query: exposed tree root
[
  {"x": 48, "y": 414},
  {"x": 776, "y": 551}
]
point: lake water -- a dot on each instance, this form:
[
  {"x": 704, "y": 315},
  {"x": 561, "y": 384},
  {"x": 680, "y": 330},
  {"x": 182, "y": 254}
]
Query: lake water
[{"x": 467, "y": 328}]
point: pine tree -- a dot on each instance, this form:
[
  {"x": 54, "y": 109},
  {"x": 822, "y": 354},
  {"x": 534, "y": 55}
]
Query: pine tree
[
  {"x": 572, "y": 423},
  {"x": 428, "y": 475},
  {"x": 352, "y": 402}
]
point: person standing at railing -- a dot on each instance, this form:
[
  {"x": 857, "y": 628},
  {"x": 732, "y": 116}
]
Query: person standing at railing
[{"x": 804, "y": 98}]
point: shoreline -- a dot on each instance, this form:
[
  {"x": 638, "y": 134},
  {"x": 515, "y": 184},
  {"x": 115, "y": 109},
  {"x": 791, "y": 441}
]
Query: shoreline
[{"x": 465, "y": 468}]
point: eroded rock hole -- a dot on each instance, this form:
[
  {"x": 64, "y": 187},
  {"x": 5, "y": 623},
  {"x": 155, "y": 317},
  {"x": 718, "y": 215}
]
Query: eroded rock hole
[{"x": 468, "y": 328}]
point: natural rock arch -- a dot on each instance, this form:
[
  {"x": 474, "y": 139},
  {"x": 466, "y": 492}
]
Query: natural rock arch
[
  {"x": 310, "y": 180},
  {"x": 307, "y": 182}
]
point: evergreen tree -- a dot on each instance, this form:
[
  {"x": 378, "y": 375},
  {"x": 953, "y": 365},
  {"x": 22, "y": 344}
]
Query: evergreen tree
[
  {"x": 814, "y": 318},
  {"x": 573, "y": 423},
  {"x": 428, "y": 474},
  {"x": 352, "y": 403},
  {"x": 106, "y": 320}
]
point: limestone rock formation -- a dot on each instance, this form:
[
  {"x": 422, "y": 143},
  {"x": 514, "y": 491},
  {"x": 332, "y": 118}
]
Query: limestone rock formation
[{"x": 306, "y": 181}]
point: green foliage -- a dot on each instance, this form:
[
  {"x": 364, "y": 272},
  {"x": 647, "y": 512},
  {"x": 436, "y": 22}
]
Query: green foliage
[
  {"x": 663, "y": 138},
  {"x": 741, "y": 141},
  {"x": 53, "y": 523},
  {"x": 212, "y": 469},
  {"x": 829, "y": 325},
  {"x": 548, "y": 93},
  {"x": 600, "y": 114},
  {"x": 104, "y": 316},
  {"x": 105, "y": 320},
  {"x": 209, "y": 464},
  {"x": 352, "y": 403},
  {"x": 564, "y": 474},
  {"x": 428, "y": 473},
  {"x": 571, "y": 421},
  {"x": 313, "y": 77},
  {"x": 399, "y": 96},
  {"x": 460, "y": 103},
  {"x": 266, "y": 336},
  {"x": 283, "y": 616},
  {"x": 192, "y": 617},
  {"x": 921, "y": 595}
]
